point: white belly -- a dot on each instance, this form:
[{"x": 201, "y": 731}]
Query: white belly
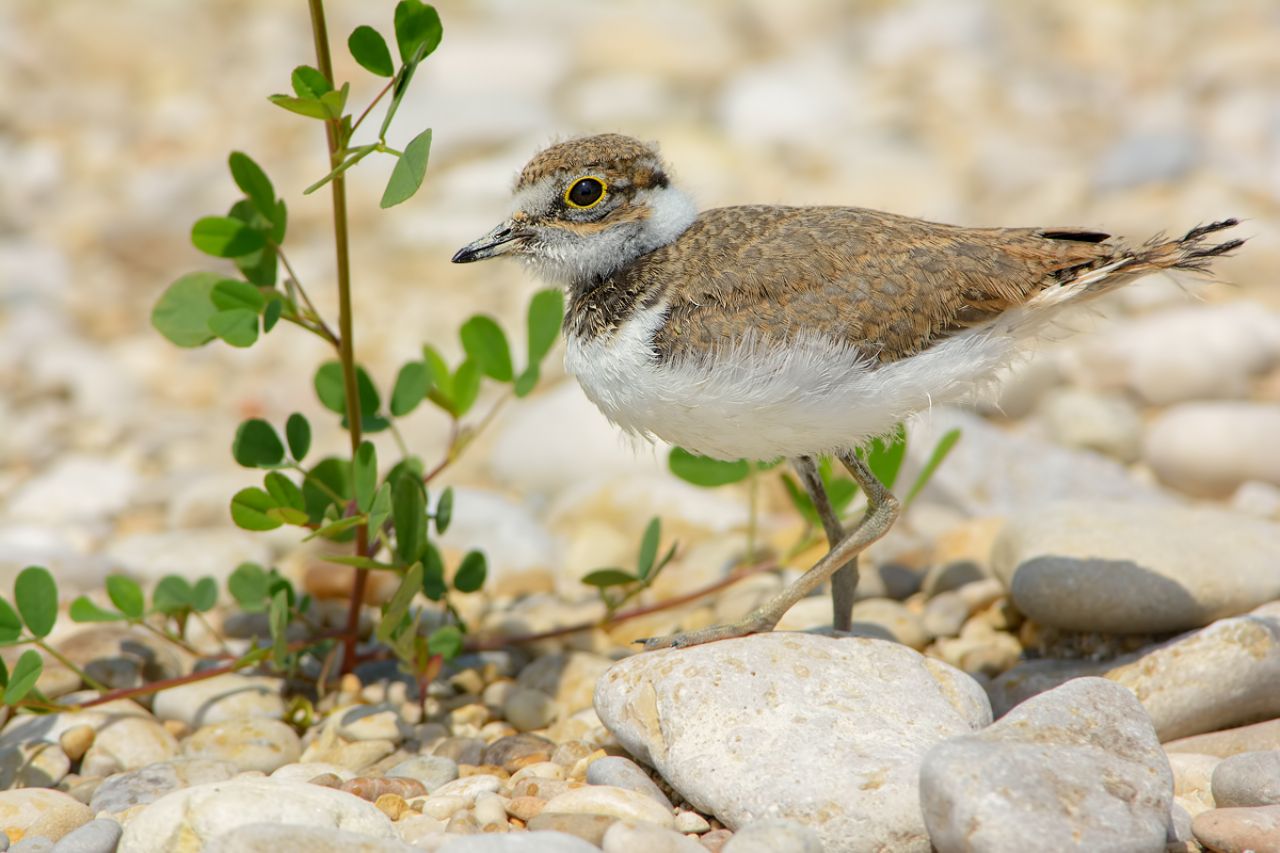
[{"x": 754, "y": 400}]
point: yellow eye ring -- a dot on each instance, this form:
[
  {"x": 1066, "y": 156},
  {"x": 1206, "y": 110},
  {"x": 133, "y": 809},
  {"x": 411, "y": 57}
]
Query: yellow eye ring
[{"x": 586, "y": 193}]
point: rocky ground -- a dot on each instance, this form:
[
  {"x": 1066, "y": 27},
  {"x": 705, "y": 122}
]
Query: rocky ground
[{"x": 1096, "y": 568}]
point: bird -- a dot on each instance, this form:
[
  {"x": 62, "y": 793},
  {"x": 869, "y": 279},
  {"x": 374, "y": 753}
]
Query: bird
[{"x": 765, "y": 332}]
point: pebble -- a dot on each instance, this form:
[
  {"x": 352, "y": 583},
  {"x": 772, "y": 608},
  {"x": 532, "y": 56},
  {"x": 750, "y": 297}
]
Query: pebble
[
  {"x": 443, "y": 807},
  {"x": 773, "y": 836},
  {"x": 622, "y": 772},
  {"x": 431, "y": 770},
  {"x": 1228, "y": 742},
  {"x": 1239, "y": 830},
  {"x": 513, "y": 751},
  {"x": 623, "y": 837},
  {"x": 75, "y": 741},
  {"x": 96, "y": 836},
  {"x": 1088, "y": 420},
  {"x": 528, "y": 708},
  {"x": 1192, "y": 780},
  {"x": 945, "y": 614},
  {"x": 827, "y": 732},
  {"x": 619, "y": 803},
  {"x": 202, "y": 812},
  {"x": 1087, "y": 742},
  {"x": 274, "y": 838},
  {"x": 219, "y": 699},
  {"x": 128, "y": 743},
  {"x": 250, "y": 743},
  {"x": 469, "y": 787},
  {"x": 370, "y": 722},
  {"x": 1247, "y": 779},
  {"x": 570, "y": 678},
  {"x": 147, "y": 784},
  {"x": 305, "y": 772},
  {"x": 419, "y": 830},
  {"x": 588, "y": 827},
  {"x": 893, "y": 617},
  {"x": 1210, "y": 449},
  {"x": 461, "y": 750},
  {"x": 35, "y": 764},
  {"x": 687, "y": 821},
  {"x": 518, "y": 842},
  {"x": 122, "y": 655},
  {"x": 1134, "y": 568},
  {"x": 40, "y": 811}
]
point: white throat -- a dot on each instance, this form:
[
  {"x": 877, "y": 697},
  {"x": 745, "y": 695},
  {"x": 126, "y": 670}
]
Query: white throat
[{"x": 569, "y": 258}]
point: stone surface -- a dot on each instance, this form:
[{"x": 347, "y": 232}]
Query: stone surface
[
  {"x": 250, "y": 743},
  {"x": 194, "y": 816},
  {"x": 528, "y": 709},
  {"x": 826, "y": 732},
  {"x": 895, "y": 619},
  {"x": 619, "y": 803},
  {"x": 518, "y": 842},
  {"x": 431, "y": 770},
  {"x": 1228, "y": 742},
  {"x": 1130, "y": 568},
  {"x": 218, "y": 699},
  {"x": 40, "y": 812},
  {"x": 1106, "y": 423},
  {"x": 1211, "y": 449},
  {"x": 1240, "y": 830},
  {"x": 1247, "y": 779},
  {"x": 570, "y": 678},
  {"x": 1078, "y": 766},
  {"x": 1192, "y": 780},
  {"x": 148, "y": 784},
  {"x": 275, "y": 838},
  {"x": 773, "y": 836},
  {"x": 624, "y": 837},
  {"x": 96, "y": 836},
  {"x": 587, "y": 827},
  {"x": 624, "y": 773}
]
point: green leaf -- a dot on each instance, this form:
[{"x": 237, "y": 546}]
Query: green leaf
[
  {"x": 380, "y": 510},
  {"x": 526, "y": 381},
  {"x": 330, "y": 531},
  {"x": 229, "y": 294},
  {"x": 260, "y": 267},
  {"x": 648, "y": 547},
  {"x": 84, "y": 610},
  {"x": 26, "y": 672},
  {"x": 466, "y": 386},
  {"x": 940, "y": 452},
  {"x": 546, "y": 313},
  {"x": 278, "y": 624},
  {"x": 238, "y": 327},
  {"x": 886, "y": 455},
  {"x": 225, "y": 237},
  {"x": 471, "y": 572},
  {"x": 249, "y": 510},
  {"x": 248, "y": 585},
  {"x": 253, "y": 182},
  {"x": 333, "y": 394},
  {"x": 445, "y": 641},
  {"x": 10, "y": 624},
  {"x": 297, "y": 431},
  {"x": 280, "y": 222},
  {"x": 335, "y": 102},
  {"x": 285, "y": 493},
  {"x": 444, "y": 510},
  {"x": 433, "y": 586},
  {"x": 126, "y": 595},
  {"x": 365, "y": 475},
  {"x": 308, "y": 82},
  {"x": 257, "y": 445},
  {"x": 369, "y": 48},
  {"x": 330, "y": 474},
  {"x": 271, "y": 315},
  {"x": 412, "y": 384},
  {"x": 704, "y": 471},
  {"x": 173, "y": 594},
  {"x": 486, "y": 345},
  {"x": 440, "y": 390},
  {"x": 409, "y": 171},
  {"x": 608, "y": 577},
  {"x": 36, "y": 594},
  {"x": 204, "y": 595},
  {"x": 409, "y": 514},
  {"x": 182, "y": 313},
  {"x": 418, "y": 30},
  {"x": 394, "y": 612},
  {"x": 309, "y": 107}
]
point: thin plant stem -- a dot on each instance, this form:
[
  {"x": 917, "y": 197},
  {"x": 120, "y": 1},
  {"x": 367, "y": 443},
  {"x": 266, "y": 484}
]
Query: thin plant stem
[
  {"x": 374, "y": 103},
  {"x": 346, "y": 334},
  {"x": 171, "y": 637},
  {"x": 302, "y": 291},
  {"x": 65, "y": 661}
]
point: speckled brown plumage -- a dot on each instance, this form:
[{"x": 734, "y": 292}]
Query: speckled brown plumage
[
  {"x": 611, "y": 155},
  {"x": 888, "y": 285}
]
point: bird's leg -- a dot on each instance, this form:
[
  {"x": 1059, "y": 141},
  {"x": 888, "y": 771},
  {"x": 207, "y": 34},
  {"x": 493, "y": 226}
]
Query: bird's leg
[
  {"x": 845, "y": 581},
  {"x": 882, "y": 510}
]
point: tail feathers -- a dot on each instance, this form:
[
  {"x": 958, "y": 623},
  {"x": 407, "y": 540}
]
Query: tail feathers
[{"x": 1192, "y": 252}]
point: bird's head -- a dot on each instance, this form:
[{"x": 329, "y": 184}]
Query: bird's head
[{"x": 587, "y": 207}]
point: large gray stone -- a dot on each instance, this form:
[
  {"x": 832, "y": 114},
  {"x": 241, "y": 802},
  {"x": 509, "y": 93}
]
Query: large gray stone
[
  {"x": 1078, "y": 767},
  {"x": 825, "y": 732},
  {"x": 1247, "y": 779},
  {"x": 1210, "y": 449},
  {"x": 1126, "y": 568}
]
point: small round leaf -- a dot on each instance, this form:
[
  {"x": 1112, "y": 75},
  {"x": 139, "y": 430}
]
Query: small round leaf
[
  {"x": 297, "y": 431},
  {"x": 36, "y": 594},
  {"x": 471, "y": 572},
  {"x": 126, "y": 595},
  {"x": 705, "y": 471},
  {"x": 249, "y": 510},
  {"x": 257, "y": 445},
  {"x": 369, "y": 48},
  {"x": 225, "y": 237}
]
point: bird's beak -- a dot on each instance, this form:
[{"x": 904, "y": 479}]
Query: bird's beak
[{"x": 497, "y": 242}]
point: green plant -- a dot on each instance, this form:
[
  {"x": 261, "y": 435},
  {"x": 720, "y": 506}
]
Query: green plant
[
  {"x": 618, "y": 586},
  {"x": 384, "y": 511},
  {"x": 883, "y": 456}
]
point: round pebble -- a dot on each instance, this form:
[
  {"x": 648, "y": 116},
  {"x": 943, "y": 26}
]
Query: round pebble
[
  {"x": 528, "y": 708},
  {"x": 252, "y": 743}
]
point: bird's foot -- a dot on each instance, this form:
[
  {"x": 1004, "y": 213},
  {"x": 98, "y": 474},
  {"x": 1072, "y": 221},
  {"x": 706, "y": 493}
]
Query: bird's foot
[{"x": 754, "y": 624}]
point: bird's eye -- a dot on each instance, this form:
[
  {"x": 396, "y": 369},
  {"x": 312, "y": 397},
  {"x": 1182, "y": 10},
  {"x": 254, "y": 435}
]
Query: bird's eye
[{"x": 585, "y": 192}]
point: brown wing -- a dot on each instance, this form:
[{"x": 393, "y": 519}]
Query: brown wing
[{"x": 889, "y": 285}]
